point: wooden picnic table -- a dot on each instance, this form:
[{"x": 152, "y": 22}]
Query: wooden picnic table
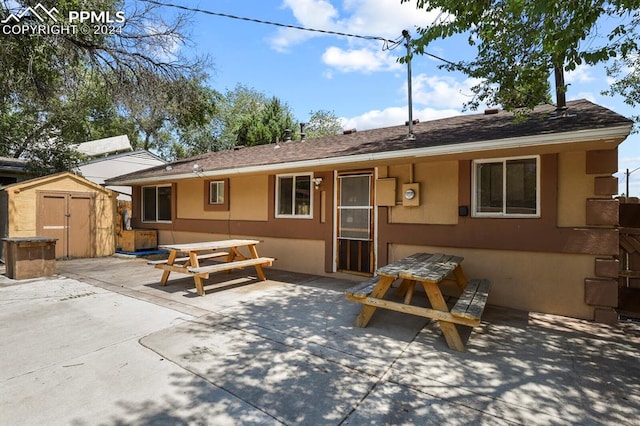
[
  {"x": 190, "y": 264},
  {"x": 430, "y": 270}
]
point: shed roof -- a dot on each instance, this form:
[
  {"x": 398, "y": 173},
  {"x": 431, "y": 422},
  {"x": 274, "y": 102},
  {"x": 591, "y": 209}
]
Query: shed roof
[
  {"x": 465, "y": 133},
  {"x": 52, "y": 178}
]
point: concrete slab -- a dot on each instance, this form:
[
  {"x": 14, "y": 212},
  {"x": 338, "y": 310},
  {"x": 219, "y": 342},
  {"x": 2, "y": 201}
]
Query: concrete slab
[
  {"x": 114, "y": 347},
  {"x": 289, "y": 384},
  {"x": 69, "y": 354}
]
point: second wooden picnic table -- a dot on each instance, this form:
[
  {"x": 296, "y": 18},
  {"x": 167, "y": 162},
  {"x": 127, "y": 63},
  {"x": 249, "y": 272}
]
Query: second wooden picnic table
[
  {"x": 224, "y": 249},
  {"x": 430, "y": 270}
]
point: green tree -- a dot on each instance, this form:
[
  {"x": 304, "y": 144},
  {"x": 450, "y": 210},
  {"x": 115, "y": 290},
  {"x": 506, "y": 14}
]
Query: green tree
[
  {"x": 323, "y": 123},
  {"x": 267, "y": 125},
  {"x": 61, "y": 89},
  {"x": 237, "y": 108},
  {"x": 520, "y": 43},
  {"x": 626, "y": 71},
  {"x": 164, "y": 109},
  {"x": 246, "y": 116}
]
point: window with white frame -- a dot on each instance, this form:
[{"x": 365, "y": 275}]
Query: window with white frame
[
  {"x": 293, "y": 196},
  {"x": 156, "y": 203},
  {"x": 216, "y": 192},
  {"x": 506, "y": 187}
]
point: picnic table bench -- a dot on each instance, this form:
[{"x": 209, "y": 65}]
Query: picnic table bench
[
  {"x": 430, "y": 270},
  {"x": 190, "y": 264}
]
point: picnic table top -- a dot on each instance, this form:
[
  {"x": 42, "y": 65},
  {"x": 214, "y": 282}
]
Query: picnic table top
[
  {"x": 433, "y": 267},
  {"x": 208, "y": 245}
]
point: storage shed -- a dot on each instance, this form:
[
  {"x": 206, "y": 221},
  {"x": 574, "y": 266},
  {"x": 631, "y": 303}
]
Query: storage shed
[{"x": 78, "y": 213}]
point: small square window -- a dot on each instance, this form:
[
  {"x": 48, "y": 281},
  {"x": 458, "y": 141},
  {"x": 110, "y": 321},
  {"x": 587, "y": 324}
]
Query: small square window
[
  {"x": 216, "y": 195},
  {"x": 216, "y": 192}
]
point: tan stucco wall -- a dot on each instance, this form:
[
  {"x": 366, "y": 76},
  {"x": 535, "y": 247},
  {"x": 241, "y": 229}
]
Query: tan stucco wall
[
  {"x": 295, "y": 255},
  {"x": 542, "y": 282},
  {"x": 438, "y": 193},
  {"x": 574, "y": 187},
  {"x": 248, "y": 198}
]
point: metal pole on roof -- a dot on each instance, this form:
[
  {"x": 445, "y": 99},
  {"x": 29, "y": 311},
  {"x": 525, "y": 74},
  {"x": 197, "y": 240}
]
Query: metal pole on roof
[{"x": 410, "y": 136}]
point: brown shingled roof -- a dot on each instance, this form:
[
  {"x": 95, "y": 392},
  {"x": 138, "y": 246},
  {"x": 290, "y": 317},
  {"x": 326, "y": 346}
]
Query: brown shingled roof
[{"x": 458, "y": 130}]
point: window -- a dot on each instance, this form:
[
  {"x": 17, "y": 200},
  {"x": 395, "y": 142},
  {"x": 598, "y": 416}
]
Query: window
[
  {"x": 156, "y": 203},
  {"x": 216, "y": 192},
  {"x": 506, "y": 187},
  {"x": 216, "y": 195},
  {"x": 293, "y": 196}
]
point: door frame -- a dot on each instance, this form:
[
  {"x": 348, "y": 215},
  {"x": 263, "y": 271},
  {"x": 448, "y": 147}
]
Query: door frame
[{"x": 374, "y": 217}]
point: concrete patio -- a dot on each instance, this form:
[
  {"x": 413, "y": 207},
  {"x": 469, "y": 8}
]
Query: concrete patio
[{"x": 104, "y": 343}]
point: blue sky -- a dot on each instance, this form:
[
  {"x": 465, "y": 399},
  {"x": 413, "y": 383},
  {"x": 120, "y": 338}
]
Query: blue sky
[
  {"x": 356, "y": 79},
  {"x": 360, "y": 82}
]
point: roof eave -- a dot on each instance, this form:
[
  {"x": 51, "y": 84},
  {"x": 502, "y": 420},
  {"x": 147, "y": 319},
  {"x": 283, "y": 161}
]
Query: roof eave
[{"x": 612, "y": 134}]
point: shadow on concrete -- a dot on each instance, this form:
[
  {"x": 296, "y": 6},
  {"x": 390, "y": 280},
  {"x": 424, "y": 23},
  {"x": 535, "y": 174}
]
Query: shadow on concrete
[{"x": 286, "y": 351}]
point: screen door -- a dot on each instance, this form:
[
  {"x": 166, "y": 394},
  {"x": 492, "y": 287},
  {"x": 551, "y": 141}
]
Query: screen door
[{"x": 355, "y": 223}]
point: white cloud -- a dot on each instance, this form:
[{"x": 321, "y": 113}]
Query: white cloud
[
  {"x": 380, "y": 18},
  {"x": 363, "y": 60},
  {"x": 386, "y": 18},
  {"x": 316, "y": 14},
  {"x": 582, "y": 74},
  {"x": 441, "y": 91},
  {"x": 394, "y": 116}
]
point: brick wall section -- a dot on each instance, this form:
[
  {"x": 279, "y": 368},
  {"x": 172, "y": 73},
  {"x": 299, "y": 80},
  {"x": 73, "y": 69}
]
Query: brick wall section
[
  {"x": 602, "y": 212},
  {"x": 601, "y": 291},
  {"x": 607, "y": 267},
  {"x": 605, "y": 186}
]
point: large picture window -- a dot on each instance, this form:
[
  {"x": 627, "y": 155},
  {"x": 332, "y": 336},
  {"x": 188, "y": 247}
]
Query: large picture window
[
  {"x": 294, "y": 196},
  {"x": 156, "y": 203},
  {"x": 507, "y": 187}
]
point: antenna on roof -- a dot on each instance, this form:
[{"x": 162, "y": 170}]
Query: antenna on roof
[{"x": 410, "y": 136}]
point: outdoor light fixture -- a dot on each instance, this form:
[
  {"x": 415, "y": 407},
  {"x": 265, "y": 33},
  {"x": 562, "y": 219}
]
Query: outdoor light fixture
[
  {"x": 316, "y": 182},
  {"x": 197, "y": 169}
]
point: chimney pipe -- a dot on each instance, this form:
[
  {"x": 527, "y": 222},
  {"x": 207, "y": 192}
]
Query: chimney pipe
[
  {"x": 287, "y": 135},
  {"x": 302, "y": 133},
  {"x": 561, "y": 99}
]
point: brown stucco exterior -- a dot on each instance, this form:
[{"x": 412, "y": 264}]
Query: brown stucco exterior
[
  {"x": 534, "y": 263},
  {"x": 558, "y": 261}
]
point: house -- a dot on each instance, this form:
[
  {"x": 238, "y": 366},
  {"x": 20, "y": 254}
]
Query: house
[
  {"x": 12, "y": 170},
  {"x": 106, "y": 146},
  {"x": 99, "y": 169},
  {"x": 79, "y": 213},
  {"x": 527, "y": 203}
]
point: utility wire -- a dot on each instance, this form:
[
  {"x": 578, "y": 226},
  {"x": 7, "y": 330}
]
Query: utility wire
[
  {"x": 260, "y": 21},
  {"x": 388, "y": 44}
]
